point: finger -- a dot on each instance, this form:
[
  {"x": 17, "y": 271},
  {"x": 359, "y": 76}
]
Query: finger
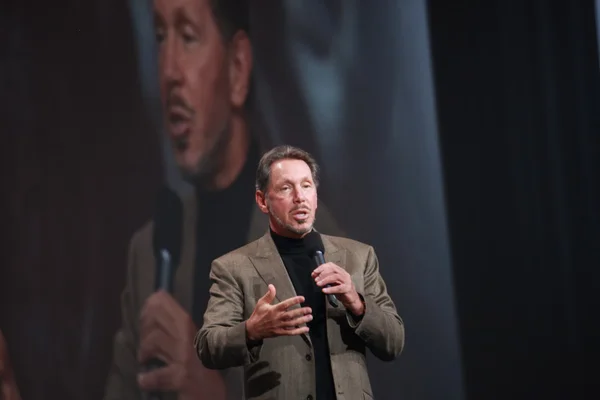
[
  {"x": 324, "y": 275},
  {"x": 284, "y": 305},
  {"x": 329, "y": 266},
  {"x": 333, "y": 279},
  {"x": 162, "y": 312},
  {"x": 156, "y": 344},
  {"x": 155, "y": 311},
  {"x": 156, "y": 300},
  {"x": 161, "y": 322},
  {"x": 317, "y": 271},
  {"x": 292, "y": 332},
  {"x": 298, "y": 312},
  {"x": 338, "y": 289},
  {"x": 297, "y": 321},
  {"x": 163, "y": 379},
  {"x": 269, "y": 296}
]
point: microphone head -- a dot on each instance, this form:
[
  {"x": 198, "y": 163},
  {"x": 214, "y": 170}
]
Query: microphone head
[
  {"x": 314, "y": 243},
  {"x": 168, "y": 224}
]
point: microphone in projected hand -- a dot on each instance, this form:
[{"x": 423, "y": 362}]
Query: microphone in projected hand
[
  {"x": 316, "y": 250},
  {"x": 166, "y": 243},
  {"x": 166, "y": 239}
]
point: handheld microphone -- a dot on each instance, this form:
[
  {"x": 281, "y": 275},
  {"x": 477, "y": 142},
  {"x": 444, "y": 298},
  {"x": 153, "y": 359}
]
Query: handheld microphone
[
  {"x": 166, "y": 239},
  {"x": 316, "y": 250},
  {"x": 166, "y": 243}
]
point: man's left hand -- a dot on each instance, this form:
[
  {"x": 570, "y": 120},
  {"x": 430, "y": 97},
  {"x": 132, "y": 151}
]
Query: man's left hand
[{"x": 341, "y": 286}]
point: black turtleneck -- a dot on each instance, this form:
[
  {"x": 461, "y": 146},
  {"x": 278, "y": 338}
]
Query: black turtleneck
[
  {"x": 222, "y": 225},
  {"x": 299, "y": 266}
]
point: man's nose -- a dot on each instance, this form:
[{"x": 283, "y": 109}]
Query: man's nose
[
  {"x": 171, "y": 61},
  {"x": 299, "y": 195}
]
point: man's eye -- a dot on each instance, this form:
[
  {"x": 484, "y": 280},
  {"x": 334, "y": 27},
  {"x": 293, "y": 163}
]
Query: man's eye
[
  {"x": 188, "y": 35},
  {"x": 160, "y": 36}
]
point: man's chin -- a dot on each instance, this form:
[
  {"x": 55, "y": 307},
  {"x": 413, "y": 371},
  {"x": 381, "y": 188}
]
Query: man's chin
[
  {"x": 186, "y": 164},
  {"x": 301, "y": 229},
  {"x": 190, "y": 175},
  {"x": 197, "y": 174}
]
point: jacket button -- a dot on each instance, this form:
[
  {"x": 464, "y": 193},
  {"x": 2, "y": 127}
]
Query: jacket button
[{"x": 308, "y": 357}]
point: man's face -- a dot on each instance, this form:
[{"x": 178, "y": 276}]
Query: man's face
[
  {"x": 291, "y": 198},
  {"x": 194, "y": 83}
]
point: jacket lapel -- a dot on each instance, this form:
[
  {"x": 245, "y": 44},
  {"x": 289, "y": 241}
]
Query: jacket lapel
[
  {"x": 334, "y": 255},
  {"x": 270, "y": 267},
  {"x": 337, "y": 256}
]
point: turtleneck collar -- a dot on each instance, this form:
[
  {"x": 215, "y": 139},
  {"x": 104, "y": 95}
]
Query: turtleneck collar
[{"x": 287, "y": 245}]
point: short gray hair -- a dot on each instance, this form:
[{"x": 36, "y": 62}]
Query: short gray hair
[{"x": 285, "y": 152}]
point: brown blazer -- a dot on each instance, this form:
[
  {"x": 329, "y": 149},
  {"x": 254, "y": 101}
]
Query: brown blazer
[
  {"x": 122, "y": 377},
  {"x": 283, "y": 367}
]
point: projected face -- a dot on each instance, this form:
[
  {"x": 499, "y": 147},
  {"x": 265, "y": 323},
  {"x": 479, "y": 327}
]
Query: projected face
[
  {"x": 291, "y": 198},
  {"x": 194, "y": 83}
]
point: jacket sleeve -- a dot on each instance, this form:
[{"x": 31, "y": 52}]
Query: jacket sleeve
[
  {"x": 122, "y": 377},
  {"x": 380, "y": 327},
  {"x": 221, "y": 342}
]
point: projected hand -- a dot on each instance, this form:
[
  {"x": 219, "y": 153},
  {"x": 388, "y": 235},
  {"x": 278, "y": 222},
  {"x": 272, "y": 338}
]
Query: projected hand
[
  {"x": 167, "y": 333},
  {"x": 269, "y": 320},
  {"x": 341, "y": 286},
  {"x": 8, "y": 385}
]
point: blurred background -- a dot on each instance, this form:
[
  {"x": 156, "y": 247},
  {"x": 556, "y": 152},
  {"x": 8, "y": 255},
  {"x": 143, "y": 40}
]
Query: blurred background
[{"x": 460, "y": 139}]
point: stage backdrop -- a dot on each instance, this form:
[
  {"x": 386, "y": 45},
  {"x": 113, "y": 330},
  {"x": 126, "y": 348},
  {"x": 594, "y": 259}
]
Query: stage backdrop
[
  {"x": 347, "y": 81},
  {"x": 352, "y": 84}
]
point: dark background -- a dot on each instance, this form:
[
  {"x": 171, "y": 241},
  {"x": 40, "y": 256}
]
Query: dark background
[
  {"x": 518, "y": 89},
  {"x": 80, "y": 164}
]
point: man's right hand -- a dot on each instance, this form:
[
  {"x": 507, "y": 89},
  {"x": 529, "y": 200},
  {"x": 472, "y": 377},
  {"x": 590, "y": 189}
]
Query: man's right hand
[
  {"x": 269, "y": 320},
  {"x": 167, "y": 333},
  {"x": 8, "y": 385}
]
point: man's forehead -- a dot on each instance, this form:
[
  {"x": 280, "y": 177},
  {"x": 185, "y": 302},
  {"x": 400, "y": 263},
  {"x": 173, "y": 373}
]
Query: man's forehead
[
  {"x": 289, "y": 165},
  {"x": 296, "y": 170},
  {"x": 172, "y": 8}
]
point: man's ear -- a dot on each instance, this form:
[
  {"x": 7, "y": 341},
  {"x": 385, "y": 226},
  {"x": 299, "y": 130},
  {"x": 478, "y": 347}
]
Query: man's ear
[
  {"x": 261, "y": 200},
  {"x": 240, "y": 68}
]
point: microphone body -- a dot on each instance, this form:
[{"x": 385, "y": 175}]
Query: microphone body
[
  {"x": 166, "y": 243},
  {"x": 164, "y": 275},
  {"x": 320, "y": 259},
  {"x": 164, "y": 281}
]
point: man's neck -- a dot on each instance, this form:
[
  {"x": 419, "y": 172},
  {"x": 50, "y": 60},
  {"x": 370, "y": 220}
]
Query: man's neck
[{"x": 234, "y": 156}]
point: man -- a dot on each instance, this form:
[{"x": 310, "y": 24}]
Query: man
[
  {"x": 205, "y": 63},
  {"x": 291, "y": 342}
]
